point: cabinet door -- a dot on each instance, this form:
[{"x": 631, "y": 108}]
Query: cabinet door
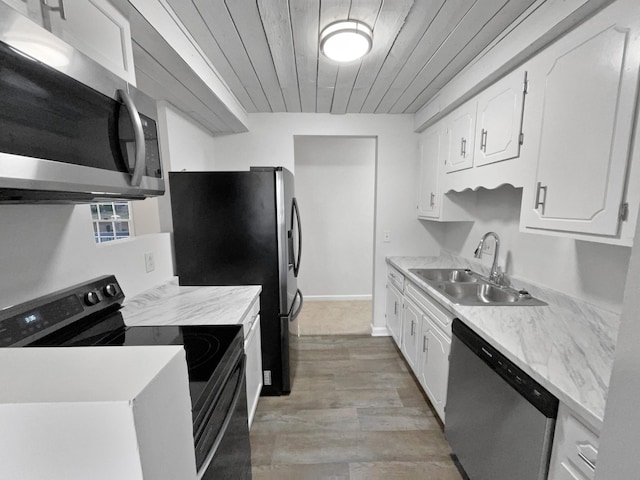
[
  {"x": 575, "y": 448},
  {"x": 394, "y": 314},
  {"x": 585, "y": 94},
  {"x": 253, "y": 350},
  {"x": 499, "y": 120},
  {"x": 434, "y": 364},
  {"x": 97, "y": 29},
  {"x": 411, "y": 319},
  {"x": 461, "y": 130},
  {"x": 429, "y": 202}
]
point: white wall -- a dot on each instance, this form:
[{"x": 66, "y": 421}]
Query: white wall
[
  {"x": 270, "y": 141},
  {"x": 48, "y": 247},
  {"x": 335, "y": 180},
  {"x": 44, "y": 248},
  {"x": 185, "y": 146},
  {"x": 573, "y": 267}
]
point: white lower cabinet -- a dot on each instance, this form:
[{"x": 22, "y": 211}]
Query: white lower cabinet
[
  {"x": 394, "y": 313},
  {"x": 395, "y": 287},
  {"x": 575, "y": 448},
  {"x": 425, "y": 338},
  {"x": 411, "y": 320},
  {"x": 253, "y": 351},
  {"x": 433, "y": 367}
]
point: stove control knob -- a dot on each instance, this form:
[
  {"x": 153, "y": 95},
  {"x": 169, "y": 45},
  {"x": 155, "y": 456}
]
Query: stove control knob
[
  {"x": 110, "y": 290},
  {"x": 91, "y": 298}
]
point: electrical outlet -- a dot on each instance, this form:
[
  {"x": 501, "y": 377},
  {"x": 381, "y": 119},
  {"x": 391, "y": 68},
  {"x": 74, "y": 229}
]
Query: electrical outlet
[
  {"x": 489, "y": 246},
  {"x": 386, "y": 236},
  {"x": 149, "y": 262}
]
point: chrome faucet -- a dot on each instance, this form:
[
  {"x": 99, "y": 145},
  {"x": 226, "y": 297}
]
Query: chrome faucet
[{"x": 494, "y": 276}]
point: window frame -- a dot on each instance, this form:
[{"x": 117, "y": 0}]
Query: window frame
[{"x": 110, "y": 222}]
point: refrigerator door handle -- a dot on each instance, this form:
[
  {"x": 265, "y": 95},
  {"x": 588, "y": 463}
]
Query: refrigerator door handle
[
  {"x": 295, "y": 314},
  {"x": 296, "y": 214}
]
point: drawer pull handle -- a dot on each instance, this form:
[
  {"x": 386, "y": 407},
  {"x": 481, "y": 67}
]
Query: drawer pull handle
[
  {"x": 588, "y": 454},
  {"x": 589, "y": 463}
]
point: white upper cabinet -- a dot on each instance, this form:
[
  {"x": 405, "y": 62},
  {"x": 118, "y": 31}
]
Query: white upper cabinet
[
  {"x": 461, "y": 125},
  {"x": 94, "y": 27},
  {"x": 499, "y": 120},
  {"x": 97, "y": 29},
  {"x": 430, "y": 158},
  {"x": 582, "y": 99}
]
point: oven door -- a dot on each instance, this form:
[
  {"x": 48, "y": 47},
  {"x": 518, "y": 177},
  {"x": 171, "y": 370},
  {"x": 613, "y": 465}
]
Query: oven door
[{"x": 222, "y": 441}]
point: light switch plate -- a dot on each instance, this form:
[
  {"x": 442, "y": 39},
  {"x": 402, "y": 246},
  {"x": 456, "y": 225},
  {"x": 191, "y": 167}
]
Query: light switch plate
[{"x": 149, "y": 262}]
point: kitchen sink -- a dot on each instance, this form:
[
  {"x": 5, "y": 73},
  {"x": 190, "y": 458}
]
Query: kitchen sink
[
  {"x": 445, "y": 274},
  {"x": 465, "y": 287}
]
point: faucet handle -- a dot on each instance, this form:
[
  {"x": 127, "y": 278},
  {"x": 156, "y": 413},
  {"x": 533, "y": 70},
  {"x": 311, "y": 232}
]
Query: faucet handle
[{"x": 500, "y": 278}]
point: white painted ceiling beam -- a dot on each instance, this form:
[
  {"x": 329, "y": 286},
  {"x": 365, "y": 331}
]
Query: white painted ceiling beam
[{"x": 160, "y": 16}]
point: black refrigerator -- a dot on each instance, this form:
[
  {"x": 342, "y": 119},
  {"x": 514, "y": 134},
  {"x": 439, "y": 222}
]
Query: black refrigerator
[{"x": 243, "y": 228}]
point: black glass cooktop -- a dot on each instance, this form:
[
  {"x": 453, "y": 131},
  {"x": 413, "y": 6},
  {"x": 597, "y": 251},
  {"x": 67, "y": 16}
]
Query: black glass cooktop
[{"x": 205, "y": 346}]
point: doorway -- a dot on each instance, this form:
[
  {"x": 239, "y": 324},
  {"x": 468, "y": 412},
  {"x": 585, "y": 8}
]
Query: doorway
[{"x": 335, "y": 188}]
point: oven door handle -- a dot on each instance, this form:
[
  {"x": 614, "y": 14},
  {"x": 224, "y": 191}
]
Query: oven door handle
[{"x": 227, "y": 419}]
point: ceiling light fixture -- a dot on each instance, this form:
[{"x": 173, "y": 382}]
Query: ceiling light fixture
[{"x": 346, "y": 41}]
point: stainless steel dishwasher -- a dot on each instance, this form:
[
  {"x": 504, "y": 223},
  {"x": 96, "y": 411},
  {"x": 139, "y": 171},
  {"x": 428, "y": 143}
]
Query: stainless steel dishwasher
[{"x": 500, "y": 421}]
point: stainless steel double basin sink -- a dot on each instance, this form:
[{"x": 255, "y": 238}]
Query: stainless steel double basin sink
[{"x": 465, "y": 287}]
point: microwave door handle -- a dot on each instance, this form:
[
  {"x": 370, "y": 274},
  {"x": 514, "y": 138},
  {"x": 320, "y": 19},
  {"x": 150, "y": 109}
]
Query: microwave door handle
[{"x": 138, "y": 132}]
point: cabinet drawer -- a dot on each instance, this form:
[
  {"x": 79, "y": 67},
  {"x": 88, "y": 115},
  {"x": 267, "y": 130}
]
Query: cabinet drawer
[
  {"x": 396, "y": 278},
  {"x": 441, "y": 317},
  {"x": 251, "y": 316},
  {"x": 575, "y": 447}
]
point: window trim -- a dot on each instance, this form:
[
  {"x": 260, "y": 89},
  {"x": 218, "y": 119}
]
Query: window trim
[{"x": 114, "y": 218}]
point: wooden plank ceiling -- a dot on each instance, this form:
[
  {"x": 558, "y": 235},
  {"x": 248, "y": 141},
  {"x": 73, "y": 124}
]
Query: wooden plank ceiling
[{"x": 267, "y": 50}]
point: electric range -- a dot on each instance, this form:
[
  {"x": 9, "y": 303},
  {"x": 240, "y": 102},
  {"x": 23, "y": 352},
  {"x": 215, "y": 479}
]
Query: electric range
[{"x": 88, "y": 314}]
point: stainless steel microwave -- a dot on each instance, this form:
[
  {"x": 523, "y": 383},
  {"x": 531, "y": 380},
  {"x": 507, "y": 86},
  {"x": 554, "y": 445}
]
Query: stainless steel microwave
[{"x": 70, "y": 130}]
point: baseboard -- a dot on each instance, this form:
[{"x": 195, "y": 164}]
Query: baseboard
[
  {"x": 337, "y": 298},
  {"x": 380, "y": 332}
]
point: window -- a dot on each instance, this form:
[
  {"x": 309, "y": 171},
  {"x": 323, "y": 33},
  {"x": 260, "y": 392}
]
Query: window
[{"x": 111, "y": 221}]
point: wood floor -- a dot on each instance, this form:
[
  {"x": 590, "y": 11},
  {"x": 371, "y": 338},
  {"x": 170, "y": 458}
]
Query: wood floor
[{"x": 355, "y": 412}]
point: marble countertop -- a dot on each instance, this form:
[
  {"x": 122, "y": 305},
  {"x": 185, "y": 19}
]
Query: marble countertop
[
  {"x": 172, "y": 304},
  {"x": 567, "y": 346}
]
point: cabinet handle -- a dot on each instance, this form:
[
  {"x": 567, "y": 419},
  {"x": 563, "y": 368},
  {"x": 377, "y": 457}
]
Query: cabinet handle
[
  {"x": 483, "y": 141},
  {"x": 540, "y": 203},
  {"x": 463, "y": 147},
  {"x": 59, "y": 8},
  {"x": 432, "y": 200},
  {"x": 412, "y": 327},
  {"x": 425, "y": 341},
  {"x": 589, "y": 463},
  {"x": 395, "y": 308}
]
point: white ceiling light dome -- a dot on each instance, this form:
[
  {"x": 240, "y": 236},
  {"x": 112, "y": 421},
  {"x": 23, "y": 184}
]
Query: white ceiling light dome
[{"x": 346, "y": 41}]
